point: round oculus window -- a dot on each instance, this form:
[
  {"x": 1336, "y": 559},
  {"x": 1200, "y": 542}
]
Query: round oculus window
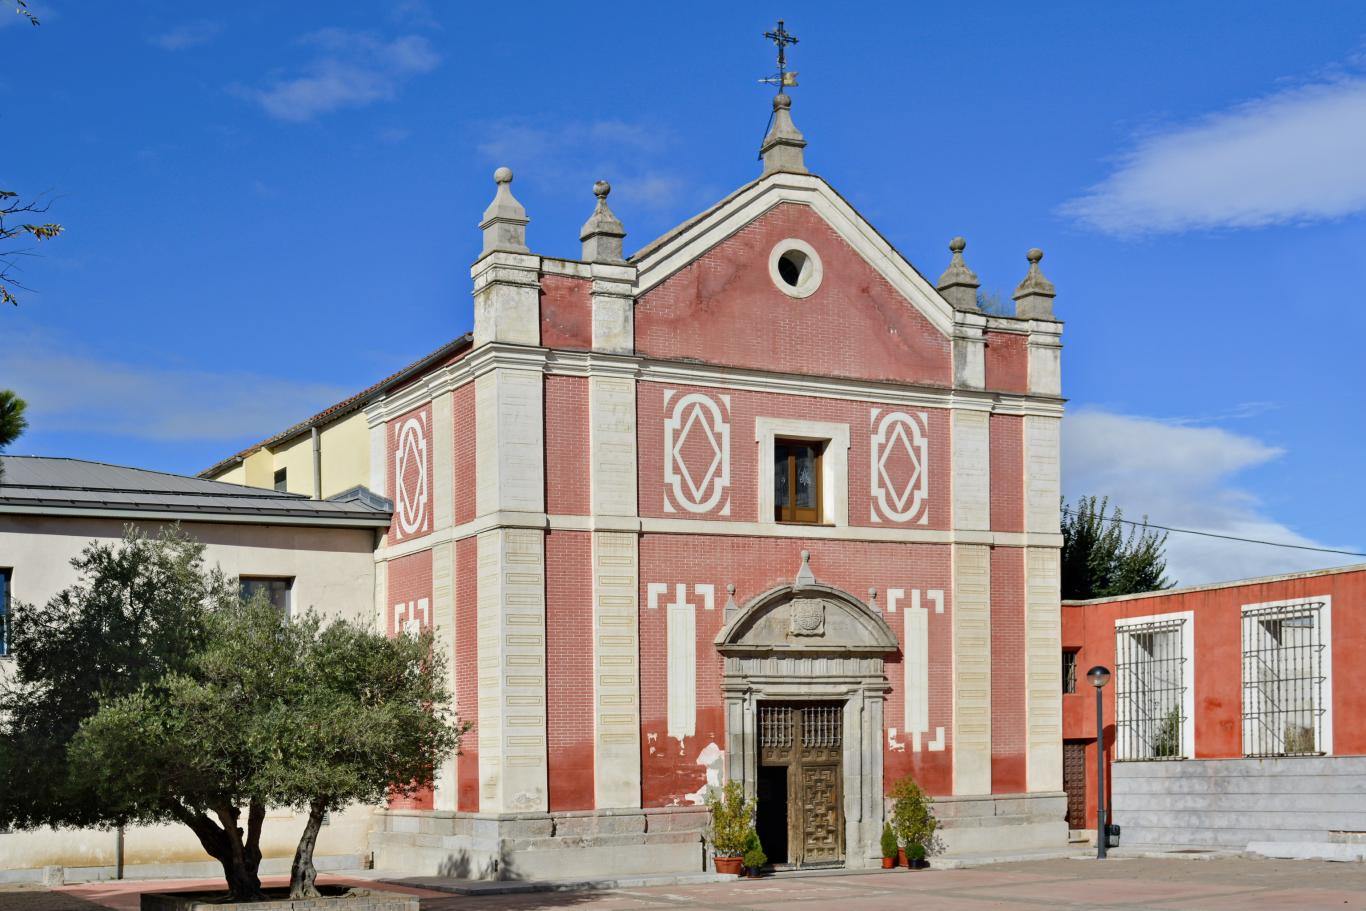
[{"x": 795, "y": 268}]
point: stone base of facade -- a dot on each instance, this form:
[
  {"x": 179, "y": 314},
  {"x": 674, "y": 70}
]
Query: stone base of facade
[
  {"x": 342, "y": 899},
  {"x": 541, "y": 846},
  {"x": 1002, "y": 822}
]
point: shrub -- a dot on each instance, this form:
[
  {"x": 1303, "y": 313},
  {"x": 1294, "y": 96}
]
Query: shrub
[
  {"x": 888, "y": 840},
  {"x": 912, "y": 819},
  {"x": 731, "y": 818},
  {"x": 915, "y": 852},
  {"x": 755, "y": 858}
]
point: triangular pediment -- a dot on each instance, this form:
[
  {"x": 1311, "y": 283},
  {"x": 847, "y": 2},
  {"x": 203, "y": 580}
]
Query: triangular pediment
[{"x": 667, "y": 255}]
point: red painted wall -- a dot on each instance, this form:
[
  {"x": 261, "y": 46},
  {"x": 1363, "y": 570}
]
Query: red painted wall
[
  {"x": 856, "y": 324},
  {"x": 1007, "y": 472},
  {"x": 1090, "y": 627},
  {"x": 467, "y": 670},
  {"x": 462, "y": 407},
  {"x": 566, "y": 446},
  {"x": 1008, "y": 741},
  {"x": 410, "y": 580},
  {"x": 569, "y": 668},
  {"x": 420, "y": 516},
  {"x": 566, "y": 312}
]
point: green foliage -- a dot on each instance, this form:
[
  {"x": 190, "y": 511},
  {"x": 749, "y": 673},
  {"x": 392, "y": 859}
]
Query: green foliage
[
  {"x": 732, "y": 819},
  {"x": 200, "y": 706},
  {"x": 915, "y": 851},
  {"x": 12, "y": 420},
  {"x": 754, "y": 857},
  {"x": 888, "y": 840},
  {"x": 1099, "y": 560},
  {"x": 912, "y": 819},
  {"x": 1167, "y": 743}
]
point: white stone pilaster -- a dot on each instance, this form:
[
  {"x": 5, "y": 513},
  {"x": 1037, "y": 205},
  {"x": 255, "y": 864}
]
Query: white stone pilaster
[
  {"x": 444, "y": 633},
  {"x": 971, "y": 470},
  {"x": 971, "y": 669},
  {"x": 1045, "y": 358},
  {"x": 1043, "y": 669},
  {"x": 507, "y": 299},
  {"x": 612, "y": 443},
  {"x": 379, "y": 456},
  {"x": 1042, "y": 481},
  {"x": 509, "y": 441},
  {"x": 613, "y": 308},
  {"x": 512, "y": 671},
  {"x": 443, "y": 462},
  {"x": 616, "y": 670},
  {"x": 381, "y": 594}
]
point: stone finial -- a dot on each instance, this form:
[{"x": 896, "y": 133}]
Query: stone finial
[
  {"x": 959, "y": 284},
  {"x": 782, "y": 148},
  {"x": 731, "y": 607},
  {"x": 805, "y": 576},
  {"x": 602, "y": 233},
  {"x": 505, "y": 220},
  {"x": 872, "y": 598},
  {"x": 1034, "y": 297}
]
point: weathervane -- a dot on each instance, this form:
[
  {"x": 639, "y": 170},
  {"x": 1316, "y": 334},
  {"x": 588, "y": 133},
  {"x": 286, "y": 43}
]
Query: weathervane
[{"x": 782, "y": 79}]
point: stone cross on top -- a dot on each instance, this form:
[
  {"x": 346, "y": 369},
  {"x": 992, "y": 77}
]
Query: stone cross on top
[{"x": 781, "y": 37}]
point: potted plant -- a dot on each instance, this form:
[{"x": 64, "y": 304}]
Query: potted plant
[
  {"x": 754, "y": 858},
  {"x": 731, "y": 826},
  {"x": 914, "y": 824},
  {"x": 889, "y": 848}
]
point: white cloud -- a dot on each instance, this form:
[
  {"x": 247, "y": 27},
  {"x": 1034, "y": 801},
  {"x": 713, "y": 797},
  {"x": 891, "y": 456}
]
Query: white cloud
[
  {"x": 1292, "y": 156},
  {"x": 1186, "y": 477},
  {"x": 351, "y": 69},
  {"x": 191, "y": 34},
  {"x": 579, "y": 152},
  {"x": 68, "y": 390}
]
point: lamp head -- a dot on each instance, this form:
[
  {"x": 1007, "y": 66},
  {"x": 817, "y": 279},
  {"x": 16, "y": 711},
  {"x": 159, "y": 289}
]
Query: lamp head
[{"x": 1098, "y": 676}]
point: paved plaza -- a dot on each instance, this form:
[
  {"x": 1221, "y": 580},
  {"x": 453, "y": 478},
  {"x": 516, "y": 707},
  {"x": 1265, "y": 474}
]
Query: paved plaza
[{"x": 1223, "y": 884}]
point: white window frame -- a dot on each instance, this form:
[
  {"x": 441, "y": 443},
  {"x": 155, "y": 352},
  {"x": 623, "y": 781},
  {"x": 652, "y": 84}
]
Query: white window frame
[
  {"x": 1323, "y": 737},
  {"x": 1134, "y": 624},
  {"x": 834, "y": 465}
]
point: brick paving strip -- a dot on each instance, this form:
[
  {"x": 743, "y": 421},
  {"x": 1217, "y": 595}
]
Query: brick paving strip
[{"x": 1130, "y": 884}]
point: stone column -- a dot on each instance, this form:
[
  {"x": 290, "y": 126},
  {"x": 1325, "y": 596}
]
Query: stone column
[
  {"x": 971, "y": 669},
  {"x": 443, "y": 569},
  {"x": 971, "y": 470}
]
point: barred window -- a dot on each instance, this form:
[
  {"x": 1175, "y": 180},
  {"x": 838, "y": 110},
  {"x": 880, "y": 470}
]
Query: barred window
[
  {"x": 1150, "y": 689},
  {"x": 1283, "y": 679},
  {"x": 1069, "y": 670}
]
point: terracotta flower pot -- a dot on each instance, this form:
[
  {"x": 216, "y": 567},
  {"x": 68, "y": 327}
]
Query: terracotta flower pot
[
  {"x": 901, "y": 857},
  {"x": 888, "y": 863},
  {"x": 730, "y": 865}
]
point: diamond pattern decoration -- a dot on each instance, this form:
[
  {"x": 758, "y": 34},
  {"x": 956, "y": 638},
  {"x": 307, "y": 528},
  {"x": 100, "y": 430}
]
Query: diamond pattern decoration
[
  {"x": 900, "y": 475},
  {"x": 697, "y": 454},
  {"x": 410, "y": 476}
]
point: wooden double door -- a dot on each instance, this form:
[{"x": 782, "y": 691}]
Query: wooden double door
[{"x": 801, "y": 772}]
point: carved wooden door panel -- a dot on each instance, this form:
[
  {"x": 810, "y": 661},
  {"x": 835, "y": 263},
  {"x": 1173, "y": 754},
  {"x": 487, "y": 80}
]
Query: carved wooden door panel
[
  {"x": 809, "y": 741},
  {"x": 1074, "y": 783}
]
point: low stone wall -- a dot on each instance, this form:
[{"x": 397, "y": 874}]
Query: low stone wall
[
  {"x": 1001, "y": 822},
  {"x": 541, "y": 845},
  {"x": 340, "y": 900},
  {"x": 1231, "y": 802}
]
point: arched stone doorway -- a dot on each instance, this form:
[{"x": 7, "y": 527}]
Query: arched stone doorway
[{"x": 794, "y": 654}]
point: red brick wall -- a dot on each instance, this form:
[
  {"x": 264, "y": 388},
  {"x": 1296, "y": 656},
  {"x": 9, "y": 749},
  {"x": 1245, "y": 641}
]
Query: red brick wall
[
  {"x": 1007, "y": 361},
  {"x": 569, "y": 668},
  {"x": 1008, "y": 741},
  {"x": 420, "y": 516},
  {"x": 566, "y": 312},
  {"x": 566, "y": 445},
  {"x": 1218, "y": 661},
  {"x": 410, "y": 580},
  {"x": 1007, "y": 472},
  {"x": 467, "y": 670},
  {"x": 462, "y": 406},
  {"x": 745, "y": 408},
  {"x": 669, "y": 768},
  {"x": 856, "y": 324}
]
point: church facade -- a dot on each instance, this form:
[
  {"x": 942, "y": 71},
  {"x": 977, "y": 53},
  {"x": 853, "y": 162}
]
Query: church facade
[{"x": 760, "y": 503}]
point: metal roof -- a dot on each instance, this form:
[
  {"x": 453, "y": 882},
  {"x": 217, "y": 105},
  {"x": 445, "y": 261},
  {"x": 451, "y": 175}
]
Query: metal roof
[{"x": 38, "y": 485}]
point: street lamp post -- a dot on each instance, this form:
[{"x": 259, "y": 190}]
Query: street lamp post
[{"x": 1099, "y": 676}]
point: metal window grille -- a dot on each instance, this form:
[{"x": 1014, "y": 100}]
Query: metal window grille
[
  {"x": 1069, "y": 671},
  {"x": 775, "y": 726},
  {"x": 1150, "y": 690},
  {"x": 822, "y": 726},
  {"x": 1283, "y": 680}
]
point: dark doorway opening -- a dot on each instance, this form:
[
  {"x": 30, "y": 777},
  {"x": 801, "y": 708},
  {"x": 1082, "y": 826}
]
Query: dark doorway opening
[
  {"x": 772, "y": 812},
  {"x": 1074, "y": 782}
]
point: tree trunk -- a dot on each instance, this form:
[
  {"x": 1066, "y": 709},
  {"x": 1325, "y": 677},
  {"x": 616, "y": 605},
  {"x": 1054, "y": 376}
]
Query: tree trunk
[
  {"x": 240, "y": 868},
  {"x": 302, "y": 873}
]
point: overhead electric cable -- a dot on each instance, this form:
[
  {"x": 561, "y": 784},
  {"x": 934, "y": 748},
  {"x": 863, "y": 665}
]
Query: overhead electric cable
[{"x": 1210, "y": 534}]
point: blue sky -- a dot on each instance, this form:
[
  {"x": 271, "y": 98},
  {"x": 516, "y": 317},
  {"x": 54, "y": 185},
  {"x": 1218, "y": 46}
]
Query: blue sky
[{"x": 269, "y": 206}]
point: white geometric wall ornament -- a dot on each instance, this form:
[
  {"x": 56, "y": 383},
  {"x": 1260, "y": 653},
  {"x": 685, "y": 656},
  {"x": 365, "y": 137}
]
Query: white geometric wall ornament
[
  {"x": 680, "y": 633},
  {"x": 699, "y": 423},
  {"x": 917, "y": 669},
  {"x": 900, "y": 467},
  {"x": 412, "y": 617},
  {"x": 411, "y": 497}
]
